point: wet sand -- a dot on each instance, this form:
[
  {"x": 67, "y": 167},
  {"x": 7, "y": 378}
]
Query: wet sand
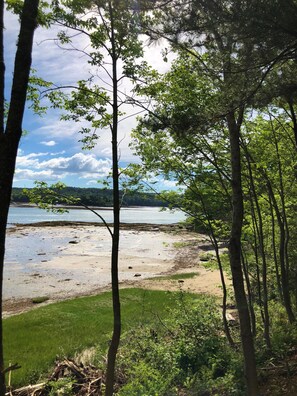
[{"x": 61, "y": 262}]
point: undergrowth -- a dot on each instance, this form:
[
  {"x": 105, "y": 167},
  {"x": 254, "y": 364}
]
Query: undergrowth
[{"x": 184, "y": 354}]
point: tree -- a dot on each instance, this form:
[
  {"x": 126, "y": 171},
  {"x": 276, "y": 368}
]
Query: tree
[
  {"x": 112, "y": 30},
  {"x": 11, "y": 127},
  {"x": 208, "y": 26}
]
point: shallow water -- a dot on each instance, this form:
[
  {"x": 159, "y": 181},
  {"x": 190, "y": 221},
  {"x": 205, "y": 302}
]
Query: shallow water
[
  {"x": 154, "y": 215},
  {"x": 69, "y": 260}
]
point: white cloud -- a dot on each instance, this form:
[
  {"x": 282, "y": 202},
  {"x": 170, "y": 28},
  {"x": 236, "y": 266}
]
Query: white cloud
[
  {"x": 67, "y": 67},
  {"x": 55, "y": 63},
  {"x": 169, "y": 183},
  {"x": 58, "y": 153},
  {"x": 49, "y": 143},
  {"x": 55, "y": 129},
  {"x": 34, "y": 155},
  {"x": 80, "y": 165},
  {"x": 29, "y": 159},
  {"x": 25, "y": 161},
  {"x": 29, "y": 174},
  {"x": 91, "y": 182}
]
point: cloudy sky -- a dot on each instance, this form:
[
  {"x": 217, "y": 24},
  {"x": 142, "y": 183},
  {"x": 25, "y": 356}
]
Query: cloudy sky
[{"x": 50, "y": 150}]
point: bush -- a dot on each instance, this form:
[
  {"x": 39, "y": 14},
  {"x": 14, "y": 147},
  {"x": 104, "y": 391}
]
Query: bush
[{"x": 186, "y": 351}]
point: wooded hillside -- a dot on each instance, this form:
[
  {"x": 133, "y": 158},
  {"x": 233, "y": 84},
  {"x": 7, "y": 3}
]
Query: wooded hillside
[{"x": 99, "y": 197}]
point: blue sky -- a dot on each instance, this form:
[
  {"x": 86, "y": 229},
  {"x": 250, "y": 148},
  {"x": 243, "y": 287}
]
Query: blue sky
[{"x": 51, "y": 151}]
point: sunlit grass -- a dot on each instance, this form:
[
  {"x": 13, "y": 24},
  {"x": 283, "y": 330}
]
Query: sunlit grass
[{"x": 34, "y": 339}]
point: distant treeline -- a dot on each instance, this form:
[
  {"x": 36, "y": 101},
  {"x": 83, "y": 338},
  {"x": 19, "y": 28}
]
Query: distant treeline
[{"x": 99, "y": 197}]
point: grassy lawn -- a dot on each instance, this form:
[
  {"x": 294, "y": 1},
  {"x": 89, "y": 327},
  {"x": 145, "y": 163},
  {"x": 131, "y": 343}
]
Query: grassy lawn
[{"x": 34, "y": 339}]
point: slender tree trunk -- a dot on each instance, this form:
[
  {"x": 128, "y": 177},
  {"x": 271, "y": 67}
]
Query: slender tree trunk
[
  {"x": 260, "y": 234},
  {"x": 256, "y": 253},
  {"x": 9, "y": 139},
  {"x": 112, "y": 352},
  {"x": 218, "y": 257},
  {"x": 294, "y": 119},
  {"x": 249, "y": 292},
  {"x": 2, "y": 67},
  {"x": 283, "y": 204},
  {"x": 282, "y": 259},
  {"x": 278, "y": 279},
  {"x": 235, "y": 259}
]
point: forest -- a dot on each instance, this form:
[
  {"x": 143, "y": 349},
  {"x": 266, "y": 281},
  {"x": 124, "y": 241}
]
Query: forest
[
  {"x": 222, "y": 123},
  {"x": 98, "y": 197}
]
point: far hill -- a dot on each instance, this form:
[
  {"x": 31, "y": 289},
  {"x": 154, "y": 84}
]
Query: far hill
[{"x": 99, "y": 197}]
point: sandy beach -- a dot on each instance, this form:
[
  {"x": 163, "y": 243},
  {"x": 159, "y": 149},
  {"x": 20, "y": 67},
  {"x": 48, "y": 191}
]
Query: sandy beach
[{"x": 60, "y": 262}]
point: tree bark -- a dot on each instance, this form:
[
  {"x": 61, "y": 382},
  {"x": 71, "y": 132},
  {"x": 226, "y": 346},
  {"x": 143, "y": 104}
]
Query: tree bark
[
  {"x": 2, "y": 67},
  {"x": 235, "y": 258},
  {"x": 9, "y": 139},
  {"x": 277, "y": 275},
  {"x": 223, "y": 283},
  {"x": 282, "y": 255},
  {"x": 249, "y": 293},
  {"x": 112, "y": 352},
  {"x": 294, "y": 119},
  {"x": 257, "y": 216}
]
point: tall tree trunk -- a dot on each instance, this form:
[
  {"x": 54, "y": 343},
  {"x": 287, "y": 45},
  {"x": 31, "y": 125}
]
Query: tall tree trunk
[
  {"x": 255, "y": 248},
  {"x": 218, "y": 257},
  {"x": 249, "y": 292},
  {"x": 235, "y": 258},
  {"x": 2, "y": 67},
  {"x": 9, "y": 139},
  {"x": 277, "y": 275},
  {"x": 257, "y": 215},
  {"x": 282, "y": 255},
  {"x": 112, "y": 352},
  {"x": 294, "y": 119},
  {"x": 282, "y": 199}
]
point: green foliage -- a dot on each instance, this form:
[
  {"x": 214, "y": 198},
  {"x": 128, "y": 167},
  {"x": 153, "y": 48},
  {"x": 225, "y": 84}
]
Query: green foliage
[
  {"x": 145, "y": 380},
  {"x": 283, "y": 333},
  {"x": 48, "y": 197},
  {"x": 112, "y": 31},
  {"x": 69, "y": 327},
  {"x": 186, "y": 349},
  {"x": 34, "y": 93},
  {"x": 182, "y": 140},
  {"x": 93, "y": 197},
  {"x": 39, "y": 300},
  {"x": 62, "y": 387},
  {"x": 44, "y": 17}
]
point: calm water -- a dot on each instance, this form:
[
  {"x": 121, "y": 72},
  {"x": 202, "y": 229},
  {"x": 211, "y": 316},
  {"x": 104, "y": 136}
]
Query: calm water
[{"x": 128, "y": 215}]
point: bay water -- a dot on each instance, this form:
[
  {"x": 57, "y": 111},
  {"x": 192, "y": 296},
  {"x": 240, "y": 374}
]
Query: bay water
[{"x": 152, "y": 215}]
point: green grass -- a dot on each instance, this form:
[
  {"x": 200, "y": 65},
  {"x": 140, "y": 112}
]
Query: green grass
[
  {"x": 39, "y": 300},
  {"x": 182, "y": 244},
  {"x": 188, "y": 275},
  {"x": 34, "y": 339}
]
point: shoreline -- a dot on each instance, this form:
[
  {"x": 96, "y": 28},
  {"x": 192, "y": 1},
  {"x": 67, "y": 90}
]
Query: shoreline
[
  {"x": 172, "y": 227},
  {"x": 69, "y": 260}
]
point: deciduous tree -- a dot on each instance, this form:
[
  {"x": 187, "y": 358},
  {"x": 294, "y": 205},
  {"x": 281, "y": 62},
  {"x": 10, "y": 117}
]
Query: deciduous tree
[{"x": 11, "y": 127}]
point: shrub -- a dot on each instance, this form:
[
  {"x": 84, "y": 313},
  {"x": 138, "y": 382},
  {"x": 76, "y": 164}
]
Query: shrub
[{"x": 186, "y": 351}]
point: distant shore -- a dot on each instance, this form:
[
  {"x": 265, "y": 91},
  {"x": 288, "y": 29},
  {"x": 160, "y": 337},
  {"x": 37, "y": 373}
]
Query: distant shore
[{"x": 32, "y": 205}]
